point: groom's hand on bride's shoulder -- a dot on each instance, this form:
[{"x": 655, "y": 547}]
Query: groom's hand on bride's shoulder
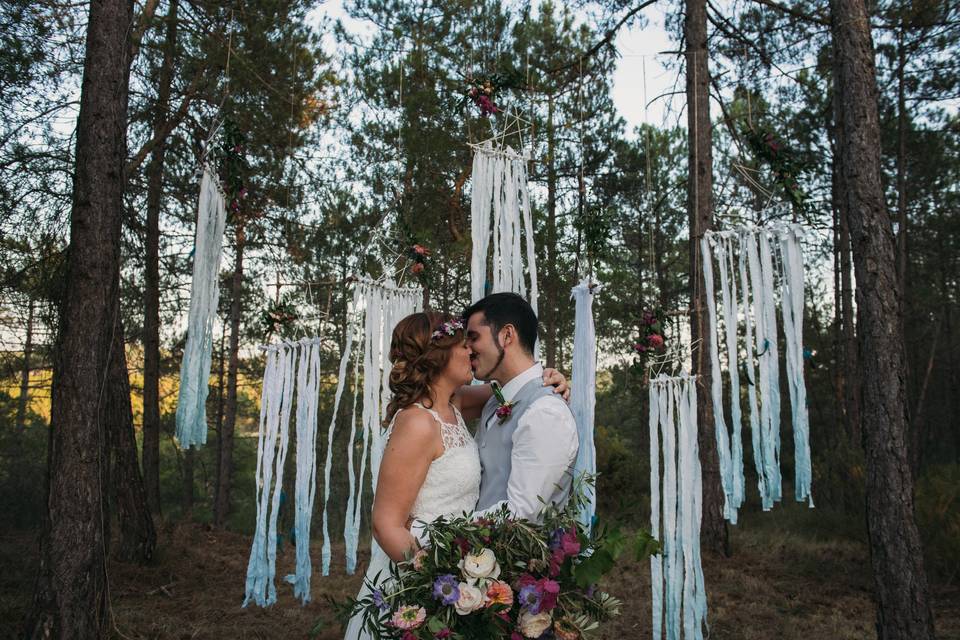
[{"x": 555, "y": 379}]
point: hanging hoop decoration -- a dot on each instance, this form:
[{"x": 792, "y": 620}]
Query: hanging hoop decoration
[
  {"x": 583, "y": 393},
  {"x": 376, "y": 309},
  {"x": 204, "y": 296},
  {"x": 500, "y": 210},
  {"x": 772, "y": 257},
  {"x": 678, "y": 593}
]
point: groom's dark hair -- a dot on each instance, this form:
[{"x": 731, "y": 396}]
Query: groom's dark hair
[{"x": 501, "y": 309}]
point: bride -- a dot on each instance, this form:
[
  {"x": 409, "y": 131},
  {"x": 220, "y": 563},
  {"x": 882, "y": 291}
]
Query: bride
[{"x": 431, "y": 465}]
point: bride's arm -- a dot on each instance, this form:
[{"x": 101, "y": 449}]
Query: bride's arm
[
  {"x": 470, "y": 398},
  {"x": 413, "y": 445}
]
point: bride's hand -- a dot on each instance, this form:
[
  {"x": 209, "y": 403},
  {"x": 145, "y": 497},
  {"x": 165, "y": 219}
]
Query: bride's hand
[{"x": 555, "y": 379}]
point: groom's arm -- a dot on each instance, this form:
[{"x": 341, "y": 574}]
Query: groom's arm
[
  {"x": 470, "y": 398},
  {"x": 545, "y": 445}
]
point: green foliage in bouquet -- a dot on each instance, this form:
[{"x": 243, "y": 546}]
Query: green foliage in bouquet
[{"x": 502, "y": 577}]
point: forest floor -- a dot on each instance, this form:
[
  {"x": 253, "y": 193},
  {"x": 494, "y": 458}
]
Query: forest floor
[{"x": 787, "y": 580}]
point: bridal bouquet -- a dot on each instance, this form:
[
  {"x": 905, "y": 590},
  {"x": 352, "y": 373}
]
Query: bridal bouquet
[{"x": 500, "y": 577}]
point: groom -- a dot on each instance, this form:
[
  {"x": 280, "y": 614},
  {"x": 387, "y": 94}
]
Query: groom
[{"x": 527, "y": 451}]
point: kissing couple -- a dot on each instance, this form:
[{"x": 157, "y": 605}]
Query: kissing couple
[{"x": 525, "y": 443}]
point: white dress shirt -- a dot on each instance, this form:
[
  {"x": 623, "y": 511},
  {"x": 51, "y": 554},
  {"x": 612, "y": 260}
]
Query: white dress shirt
[{"x": 545, "y": 446}]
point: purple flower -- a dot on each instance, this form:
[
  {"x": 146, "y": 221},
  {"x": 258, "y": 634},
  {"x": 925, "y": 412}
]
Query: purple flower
[
  {"x": 531, "y": 597},
  {"x": 379, "y": 600},
  {"x": 446, "y": 590}
]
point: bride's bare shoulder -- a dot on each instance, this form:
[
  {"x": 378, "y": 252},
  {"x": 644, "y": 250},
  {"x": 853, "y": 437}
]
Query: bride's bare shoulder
[{"x": 415, "y": 424}]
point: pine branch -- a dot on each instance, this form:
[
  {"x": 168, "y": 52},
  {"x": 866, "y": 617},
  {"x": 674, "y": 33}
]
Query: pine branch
[
  {"x": 606, "y": 40},
  {"x": 796, "y": 13}
]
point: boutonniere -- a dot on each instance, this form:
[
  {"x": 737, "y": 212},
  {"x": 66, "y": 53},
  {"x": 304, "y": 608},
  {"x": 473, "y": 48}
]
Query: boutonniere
[{"x": 505, "y": 410}]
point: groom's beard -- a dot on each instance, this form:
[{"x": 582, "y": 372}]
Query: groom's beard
[{"x": 488, "y": 375}]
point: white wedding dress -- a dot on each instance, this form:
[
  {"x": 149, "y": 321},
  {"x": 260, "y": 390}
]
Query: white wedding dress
[{"x": 451, "y": 487}]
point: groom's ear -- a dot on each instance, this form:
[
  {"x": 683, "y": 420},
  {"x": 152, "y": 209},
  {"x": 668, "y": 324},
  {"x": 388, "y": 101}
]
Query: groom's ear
[{"x": 508, "y": 335}]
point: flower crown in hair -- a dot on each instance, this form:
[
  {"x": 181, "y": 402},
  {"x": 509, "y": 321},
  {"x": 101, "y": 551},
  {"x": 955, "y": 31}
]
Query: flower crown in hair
[{"x": 447, "y": 329}]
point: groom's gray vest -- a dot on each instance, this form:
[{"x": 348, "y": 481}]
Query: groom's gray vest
[{"x": 495, "y": 441}]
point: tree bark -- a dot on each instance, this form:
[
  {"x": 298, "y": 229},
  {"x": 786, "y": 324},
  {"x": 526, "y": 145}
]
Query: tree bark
[
  {"x": 151, "y": 303},
  {"x": 849, "y": 349},
  {"x": 22, "y": 401},
  {"x": 187, "y": 486},
  {"x": 901, "y": 169},
  {"x": 221, "y": 506},
  {"x": 138, "y": 539},
  {"x": 714, "y": 534},
  {"x": 550, "y": 286},
  {"x": 69, "y": 599},
  {"x": 900, "y": 582}
]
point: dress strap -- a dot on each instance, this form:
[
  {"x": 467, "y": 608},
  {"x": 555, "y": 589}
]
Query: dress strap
[{"x": 436, "y": 416}]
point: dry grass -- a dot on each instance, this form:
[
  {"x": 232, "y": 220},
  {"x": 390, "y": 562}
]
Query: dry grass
[{"x": 777, "y": 585}]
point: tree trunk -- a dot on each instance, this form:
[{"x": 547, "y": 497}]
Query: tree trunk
[
  {"x": 137, "y": 535},
  {"x": 848, "y": 329},
  {"x": 901, "y": 169},
  {"x": 903, "y": 609},
  {"x": 187, "y": 486},
  {"x": 69, "y": 599},
  {"x": 839, "y": 380},
  {"x": 22, "y": 401},
  {"x": 221, "y": 505},
  {"x": 714, "y": 535},
  {"x": 151, "y": 303},
  {"x": 549, "y": 310}
]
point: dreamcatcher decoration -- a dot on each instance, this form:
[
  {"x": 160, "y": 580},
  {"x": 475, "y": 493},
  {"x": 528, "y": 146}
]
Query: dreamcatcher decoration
[
  {"x": 500, "y": 216},
  {"x": 766, "y": 263},
  {"x": 191, "y": 428},
  {"x": 676, "y": 492},
  {"x": 583, "y": 390},
  {"x": 377, "y": 308},
  {"x": 291, "y": 376}
]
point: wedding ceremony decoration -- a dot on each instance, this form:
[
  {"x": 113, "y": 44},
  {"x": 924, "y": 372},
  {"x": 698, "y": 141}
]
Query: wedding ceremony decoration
[
  {"x": 191, "y": 430},
  {"x": 376, "y": 308},
  {"x": 676, "y": 574},
  {"x": 583, "y": 390},
  {"x": 291, "y": 368},
  {"x": 500, "y": 215},
  {"x": 653, "y": 339},
  {"x": 498, "y": 577},
  {"x": 773, "y": 259}
]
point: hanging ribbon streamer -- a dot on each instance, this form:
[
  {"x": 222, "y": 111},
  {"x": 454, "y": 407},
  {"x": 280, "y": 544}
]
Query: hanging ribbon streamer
[
  {"x": 500, "y": 195},
  {"x": 792, "y": 307},
  {"x": 377, "y": 307},
  {"x": 351, "y": 523},
  {"x": 583, "y": 392},
  {"x": 678, "y": 593},
  {"x": 716, "y": 391},
  {"x": 204, "y": 295},
  {"x": 767, "y": 261},
  {"x": 308, "y": 394},
  {"x": 272, "y": 443}
]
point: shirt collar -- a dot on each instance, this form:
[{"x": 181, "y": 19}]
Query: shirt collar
[{"x": 511, "y": 388}]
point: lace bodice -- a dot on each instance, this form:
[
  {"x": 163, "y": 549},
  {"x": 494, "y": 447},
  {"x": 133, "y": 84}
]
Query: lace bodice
[{"x": 452, "y": 484}]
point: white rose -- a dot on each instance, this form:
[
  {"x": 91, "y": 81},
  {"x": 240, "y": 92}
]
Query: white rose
[
  {"x": 533, "y": 626},
  {"x": 480, "y": 566},
  {"x": 470, "y": 599}
]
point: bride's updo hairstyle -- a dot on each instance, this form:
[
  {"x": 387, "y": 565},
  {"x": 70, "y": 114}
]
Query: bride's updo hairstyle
[{"x": 420, "y": 351}]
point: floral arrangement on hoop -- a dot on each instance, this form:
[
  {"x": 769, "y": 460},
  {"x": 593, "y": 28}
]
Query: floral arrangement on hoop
[
  {"x": 279, "y": 315},
  {"x": 234, "y": 167},
  {"x": 500, "y": 577},
  {"x": 784, "y": 165},
  {"x": 481, "y": 94},
  {"x": 653, "y": 339},
  {"x": 418, "y": 254},
  {"x": 482, "y": 91}
]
